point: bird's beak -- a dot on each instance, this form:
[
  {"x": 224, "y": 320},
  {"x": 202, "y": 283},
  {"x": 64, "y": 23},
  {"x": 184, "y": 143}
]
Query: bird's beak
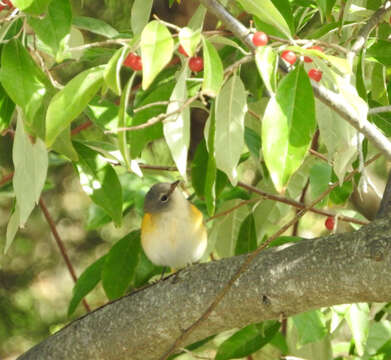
[{"x": 173, "y": 187}]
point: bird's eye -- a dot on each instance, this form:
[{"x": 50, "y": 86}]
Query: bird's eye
[{"x": 163, "y": 198}]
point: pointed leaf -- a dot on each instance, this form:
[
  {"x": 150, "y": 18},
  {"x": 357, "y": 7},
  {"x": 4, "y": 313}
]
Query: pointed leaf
[
  {"x": 213, "y": 69},
  {"x": 141, "y": 11},
  {"x": 120, "y": 265},
  {"x": 22, "y": 79},
  {"x": 247, "y": 340},
  {"x": 122, "y": 122},
  {"x": 288, "y": 126},
  {"x": 95, "y": 26},
  {"x": 31, "y": 164},
  {"x": 189, "y": 40},
  {"x": 267, "y": 12},
  {"x": 63, "y": 145},
  {"x": 197, "y": 20},
  {"x": 231, "y": 107},
  {"x": 113, "y": 68},
  {"x": 311, "y": 326},
  {"x": 85, "y": 283},
  {"x": 358, "y": 321},
  {"x": 157, "y": 47},
  {"x": 69, "y": 102},
  {"x": 54, "y": 28},
  {"x": 12, "y": 227},
  {"x": 247, "y": 239},
  {"x": 267, "y": 64},
  {"x": 176, "y": 128},
  {"x": 35, "y": 7},
  {"x": 7, "y": 107}
]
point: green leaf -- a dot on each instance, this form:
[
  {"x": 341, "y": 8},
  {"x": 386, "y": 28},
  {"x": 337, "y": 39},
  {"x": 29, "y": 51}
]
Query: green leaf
[
  {"x": 95, "y": 26},
  {"x": 176, "y": 128},
  {"x": 196, "y": 22},
  {"x": 213, "y": 69},
  {"x": 141, "y": 11},
  {"x": 22, "y": 79},
  {"x": 248, "y": 340},
  {"x": 199, "y": 169},
  {"x": 85, "y": 283},
  {"x": 189, "y": 40},
  {"x": 54, "y": 28},
  {"x": 216, "y": 39},
  {"x": 122, "y": 122},
  {"x": 113, "y": 69},
  {"x": 247, "y": 239},
  {"x": 381, "y": 120},
  {"x": 35, "y": 7},
  {"x": 231, "y": 107},
  {"x": 267, "y": 64},
  {"x": 12, "y": 227},
  {"x": 157, "y": 47},
  {"x": 100, "y": 182},
  {"x": 325, "y": 7},
  {"x": 211, "y": 170},
  {"x": 358, "y": 321},
  {"x": 360, "y": 83},
  {"x": 253, "y": 141},
  {"x": 63, "y": 145},
  {"x": 226, "y": 228},
  {"x": 281, "y": 240},
  {"x": 381, "y": 51},
  {"x": 69, "y": 102},
  {"x": 267, "y": 12},
  {"x": 31, "y": 164},
  {"x": 120, "y": 265},
  {"x": 7, "y": 107},
  {"x": 339, "y": 137},
  {"x": 320, "y": 176},
  {"x": 287, "y": 126},
  {"x": 311, "y": 326},
  {"x": 379, "y": 84}
]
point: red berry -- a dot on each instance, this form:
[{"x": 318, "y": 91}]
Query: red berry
[
  {"x": 196, "y": 63},
  {"x": 7, "y": 4},
  {"x": 307, "y": 59},
  {"x": 260, "y": 38},
  {"x": 182, "y": 51},
  {"x": 330, "y": 223},
  {"x": 289, "y": 56},
  {"x": 315, "y": 74},
  {"x": 134, "y": 62}
]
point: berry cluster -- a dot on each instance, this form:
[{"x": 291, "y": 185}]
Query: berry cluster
[{"x": 261, "y": 39}]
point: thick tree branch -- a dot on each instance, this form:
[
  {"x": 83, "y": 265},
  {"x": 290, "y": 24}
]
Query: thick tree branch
[
  {"x": 337, "y": 269},
  {"x": 330, "y": 98},
  {"x": 385, "y": 205}
]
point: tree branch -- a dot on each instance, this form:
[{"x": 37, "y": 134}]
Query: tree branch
[
  {"x": 330, "y": 98},
  {"x": 285, "y": 280}
]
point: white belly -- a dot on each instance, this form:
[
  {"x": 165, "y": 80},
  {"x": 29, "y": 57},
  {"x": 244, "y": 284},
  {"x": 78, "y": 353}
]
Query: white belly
[{"x": 178, "y": 242}]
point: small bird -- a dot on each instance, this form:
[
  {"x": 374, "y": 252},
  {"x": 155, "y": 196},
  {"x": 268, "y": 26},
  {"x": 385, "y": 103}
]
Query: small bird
[{"x": 172, "y": 230}]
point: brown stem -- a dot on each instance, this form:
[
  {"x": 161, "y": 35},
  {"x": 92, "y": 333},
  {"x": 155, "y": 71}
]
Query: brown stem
[{"x": 60, "y": 245}]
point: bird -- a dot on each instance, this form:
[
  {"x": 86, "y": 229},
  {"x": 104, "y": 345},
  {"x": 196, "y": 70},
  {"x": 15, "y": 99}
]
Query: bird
[{"x": 173, "y": 233}]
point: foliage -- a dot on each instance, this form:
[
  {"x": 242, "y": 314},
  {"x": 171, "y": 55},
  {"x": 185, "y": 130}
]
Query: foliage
[{"x": 70, "y": 103}]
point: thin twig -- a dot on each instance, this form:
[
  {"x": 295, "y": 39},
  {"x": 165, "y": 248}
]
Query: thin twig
[
  {"x": 122, "y": 42},
  {"x": 242, "y": 203},
  {"x": 61, "y": 246},
  {"x": 157, "y": 103},
  {"x": 330, "y": 98},
  {"x": 250, "y": 258},
  {"x": 81, "y": 127},
  {"x": 380, "y": 109},
  {"x": 7, "y": 178},
  {"x": 297, "y": 204},
  {"x": 157, "y": 167},
  {"x": 318, "y": 155},
  {"x": 155, "y": 119}
]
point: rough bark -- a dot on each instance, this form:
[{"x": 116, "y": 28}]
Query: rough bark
[{"x": 343, "y": 268}]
